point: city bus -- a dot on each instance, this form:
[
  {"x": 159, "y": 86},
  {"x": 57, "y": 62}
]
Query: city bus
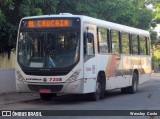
[{"x": 77, "y": 54}]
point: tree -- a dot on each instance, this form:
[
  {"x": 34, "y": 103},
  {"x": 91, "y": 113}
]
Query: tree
[
  {"x": 154, "y": 39},
  {"x": 127, "y": 12},
  {"x": 11, "y": 11},
  {"x": 5, "y": 6},
  {"x": 37, "y": 7}
]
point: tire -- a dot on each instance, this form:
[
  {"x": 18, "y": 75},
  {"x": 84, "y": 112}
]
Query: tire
[
  {"x": 45, "y": 96},
  {"x": 97, "y": 94},
  {"x": 103, "y": 83},
  {"x": 100, "y": 90},
  {"x": 133, "y": 89}
]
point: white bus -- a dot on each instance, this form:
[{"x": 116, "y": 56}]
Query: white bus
[{"x": 76, "y": 54}]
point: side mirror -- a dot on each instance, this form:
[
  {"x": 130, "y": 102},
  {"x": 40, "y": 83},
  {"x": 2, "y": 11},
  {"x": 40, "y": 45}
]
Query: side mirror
[{"x": 88, "y": 37}]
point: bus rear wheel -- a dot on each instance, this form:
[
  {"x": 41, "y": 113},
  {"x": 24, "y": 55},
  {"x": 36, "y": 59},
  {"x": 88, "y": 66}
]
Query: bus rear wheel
[
  {"x": 133, "y": 88},
  {"x": 46, "y": 96}
]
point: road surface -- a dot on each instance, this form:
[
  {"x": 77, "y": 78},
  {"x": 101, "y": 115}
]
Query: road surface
[{"x": 147, "y": 98}]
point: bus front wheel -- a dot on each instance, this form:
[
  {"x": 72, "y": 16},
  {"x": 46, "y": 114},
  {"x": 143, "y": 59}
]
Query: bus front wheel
[
  {"x": 96, "y": 95},
  {"x": 100, "y": 90}
]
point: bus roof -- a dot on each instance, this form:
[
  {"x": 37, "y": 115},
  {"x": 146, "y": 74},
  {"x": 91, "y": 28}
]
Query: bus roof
[{"x": 97, "y": 22}]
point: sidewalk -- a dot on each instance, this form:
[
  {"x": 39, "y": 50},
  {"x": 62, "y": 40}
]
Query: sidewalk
[
  {"x": 7, "y": 98},
  {"x": 155, "y": 75}
]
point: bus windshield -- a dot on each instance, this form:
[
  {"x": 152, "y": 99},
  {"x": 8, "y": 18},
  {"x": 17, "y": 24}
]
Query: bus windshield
[{"x": 39, "y": 48}]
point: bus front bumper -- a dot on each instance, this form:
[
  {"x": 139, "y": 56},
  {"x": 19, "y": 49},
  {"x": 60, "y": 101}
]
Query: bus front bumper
[{"x": 76, "y": 87}]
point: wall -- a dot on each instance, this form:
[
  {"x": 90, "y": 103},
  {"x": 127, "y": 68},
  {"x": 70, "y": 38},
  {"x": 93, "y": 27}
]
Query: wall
[
  {"x": 7, "y": 80},
  {"x": 7, "y": 63},
  {"x": 7, "y": 73}
]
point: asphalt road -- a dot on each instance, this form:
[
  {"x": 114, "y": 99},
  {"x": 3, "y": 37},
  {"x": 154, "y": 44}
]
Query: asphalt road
[{"x": 147, "y": 98}]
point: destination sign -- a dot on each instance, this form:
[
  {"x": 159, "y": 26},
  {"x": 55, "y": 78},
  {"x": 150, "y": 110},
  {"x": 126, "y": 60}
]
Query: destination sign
[{"x": 49, "y": 23}]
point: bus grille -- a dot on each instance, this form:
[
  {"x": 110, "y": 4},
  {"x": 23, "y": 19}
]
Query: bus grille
[{"x": 54, "y": 88}]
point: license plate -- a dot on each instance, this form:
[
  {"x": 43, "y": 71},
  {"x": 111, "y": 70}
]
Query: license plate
[{"x": 45, "y": 91}]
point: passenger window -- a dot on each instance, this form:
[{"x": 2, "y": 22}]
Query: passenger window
[
  {"x": 125, "y": 43},
  {"x": 115, "y": 42},
  {"x": 103, "y": 40},
  {"x": 148, "y": 45},
  {"x": 142, "y": 45},
  {"x": 134, "y": 44}
]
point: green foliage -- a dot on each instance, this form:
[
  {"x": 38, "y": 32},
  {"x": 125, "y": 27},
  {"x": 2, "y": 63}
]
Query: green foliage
[
  {"x": 119, "y": 11},
  {"x": 156, "y": 6},
  {"x": 153, "y": 35},
  {"x": 11, "y": 11},
  {"x": 2, "y": 18},
  {"x": 127, "y": 12},
  {"x": 37, "y": 7},
  {"x": 156, "y": 57},
  {"x": 157, "y": 12},
  {"x": 5, "y": 7},
  {"x": 144, "y": 19}
]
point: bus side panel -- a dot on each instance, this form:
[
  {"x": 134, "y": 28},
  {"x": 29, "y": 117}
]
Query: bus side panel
[
  {"x": 124, "y": 71},
  {"x": 127, "y": 69},
  {"x": 90, "y": 61},
  {"x": 112, "y": 65},
  {"x": 90, "y": 75},
  {"x": 145, "y": 70},
  {"x": 143, "y": 65},
  {"x": 103, "y": 63}
]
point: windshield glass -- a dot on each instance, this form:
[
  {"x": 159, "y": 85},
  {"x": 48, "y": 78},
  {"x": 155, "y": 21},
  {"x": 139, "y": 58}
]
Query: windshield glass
[{"x": 48, "y": 49}]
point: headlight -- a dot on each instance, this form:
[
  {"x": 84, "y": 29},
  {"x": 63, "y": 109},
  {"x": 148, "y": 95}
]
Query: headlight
[
  {"x": 74, "y": 76},
  {"x": 20, "y": 77}
]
